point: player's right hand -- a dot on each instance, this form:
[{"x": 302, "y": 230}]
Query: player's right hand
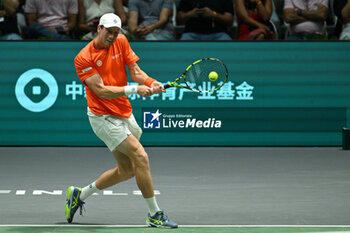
[
  {"x": 157, "y": 87},
  {"x": 144, "y": 91}
]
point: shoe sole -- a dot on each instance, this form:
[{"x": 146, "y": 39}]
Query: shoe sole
[{"x": 159, "y": 226}]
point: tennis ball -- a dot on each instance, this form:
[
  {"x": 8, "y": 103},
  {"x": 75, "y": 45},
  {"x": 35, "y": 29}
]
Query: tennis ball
[{"x": 213, "y": 76}]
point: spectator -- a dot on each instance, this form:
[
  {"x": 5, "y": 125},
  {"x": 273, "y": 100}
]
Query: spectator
[
  {"x": 205, "y": 20},
  {"x": 8, "y": 20},
  {"x": 121, "y": 8},
  {"x": 90, "y": 12},
  {"x": 342, "y": 11},
  {"x": 151, "y": 20},
  {"x": 254, "y": 19},
  {"x": 51, "y": 19},
  {"x": 279, "y": 9},
  {"x": 307, "y": 19}
]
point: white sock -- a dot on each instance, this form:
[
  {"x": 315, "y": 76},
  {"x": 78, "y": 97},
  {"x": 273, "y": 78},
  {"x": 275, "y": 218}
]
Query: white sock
[
  {"x": 88, "y": 191},
  {"x": 152, "y": 205}
]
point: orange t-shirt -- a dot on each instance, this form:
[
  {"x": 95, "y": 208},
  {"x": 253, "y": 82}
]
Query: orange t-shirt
[{"x": 110, "y": 64}]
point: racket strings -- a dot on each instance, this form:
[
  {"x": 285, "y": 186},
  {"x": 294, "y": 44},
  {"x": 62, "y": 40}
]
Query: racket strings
[{"x": 197, "y": 77}]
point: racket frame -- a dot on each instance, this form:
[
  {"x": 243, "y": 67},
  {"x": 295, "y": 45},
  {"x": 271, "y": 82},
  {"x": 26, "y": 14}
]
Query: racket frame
[{"x": 183, "y": 75}]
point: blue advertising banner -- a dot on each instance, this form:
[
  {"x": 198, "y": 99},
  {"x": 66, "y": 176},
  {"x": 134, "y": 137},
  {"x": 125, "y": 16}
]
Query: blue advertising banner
[{"x": 278, "y": 94}]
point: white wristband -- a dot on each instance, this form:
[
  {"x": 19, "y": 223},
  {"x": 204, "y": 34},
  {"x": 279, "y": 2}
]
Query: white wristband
[{"x": 129, "y": 90}]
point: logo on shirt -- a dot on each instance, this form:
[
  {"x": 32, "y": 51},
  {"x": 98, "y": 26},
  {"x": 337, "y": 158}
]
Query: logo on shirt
[
  {"x": 116, "y": 56},
  {"x": 87, "y": 69},
  {"x": 151, "y": 120},
  {"x": 99, "y": 63}
]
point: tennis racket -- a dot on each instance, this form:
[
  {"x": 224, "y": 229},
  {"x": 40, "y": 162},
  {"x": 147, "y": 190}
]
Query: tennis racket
[{"x": 196, "y": 76}]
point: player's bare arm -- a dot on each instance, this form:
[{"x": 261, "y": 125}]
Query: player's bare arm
[
  {"x": 137, "y": 74},
  {"x": 140, "y": 77},
  {"x": 95, "y": 83}
]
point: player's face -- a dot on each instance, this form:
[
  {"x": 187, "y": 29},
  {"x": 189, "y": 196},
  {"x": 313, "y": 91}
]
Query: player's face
[{"x": 108, "y": 35}]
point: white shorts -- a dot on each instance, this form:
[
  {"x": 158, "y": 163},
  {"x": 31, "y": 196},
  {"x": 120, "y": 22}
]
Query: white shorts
[{"x": 113, "y": 130}]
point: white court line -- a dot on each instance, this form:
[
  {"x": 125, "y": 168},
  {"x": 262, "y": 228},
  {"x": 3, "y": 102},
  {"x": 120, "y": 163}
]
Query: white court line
[
  {"x": 233, "y": 226},
  {"x": 5, "y": 191}
]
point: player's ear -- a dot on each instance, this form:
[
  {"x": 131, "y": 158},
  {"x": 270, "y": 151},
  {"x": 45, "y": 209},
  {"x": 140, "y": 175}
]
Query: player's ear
[{"x": 99, "y": 27}]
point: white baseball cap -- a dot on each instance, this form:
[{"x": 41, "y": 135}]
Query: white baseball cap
[{"x": 110, "y": 20}]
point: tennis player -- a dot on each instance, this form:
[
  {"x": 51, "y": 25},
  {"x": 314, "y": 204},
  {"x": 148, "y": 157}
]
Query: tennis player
[{"x": 100, "y": 65}]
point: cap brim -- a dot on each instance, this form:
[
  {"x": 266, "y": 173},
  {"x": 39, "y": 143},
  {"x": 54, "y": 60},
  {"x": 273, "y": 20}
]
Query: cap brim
[{"x": 111, "y": 25}]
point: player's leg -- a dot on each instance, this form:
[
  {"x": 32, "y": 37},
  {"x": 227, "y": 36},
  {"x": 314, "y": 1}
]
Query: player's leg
[
  {"x": 112, "y": 132},
  {"x": 135, "y": 151},
  {"x": 123, "y": 171},
  {"x": 76, "y": 196},
  {"x": 136, "y": 132}
]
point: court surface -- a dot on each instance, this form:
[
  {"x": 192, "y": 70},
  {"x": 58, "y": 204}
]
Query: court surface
[{"x": 232, "y": 189}]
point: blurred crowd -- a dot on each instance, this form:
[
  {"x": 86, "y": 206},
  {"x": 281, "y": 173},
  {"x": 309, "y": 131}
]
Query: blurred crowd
[{"x": 178, "y": 19}]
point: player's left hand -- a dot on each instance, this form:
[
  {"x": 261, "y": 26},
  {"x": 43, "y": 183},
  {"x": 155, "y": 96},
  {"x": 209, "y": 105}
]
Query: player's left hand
[{"x": 157, "y": 87}]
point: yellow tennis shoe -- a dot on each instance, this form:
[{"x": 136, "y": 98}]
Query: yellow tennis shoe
[{"x": 73, "y": 202}]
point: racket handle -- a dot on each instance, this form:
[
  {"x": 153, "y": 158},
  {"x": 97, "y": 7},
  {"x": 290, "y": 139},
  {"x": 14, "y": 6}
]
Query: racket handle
[{"x": 166, "y": 86}]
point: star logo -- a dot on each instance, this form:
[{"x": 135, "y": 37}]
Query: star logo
[
  {"x": 156, "y": 115},
  {"x": 152, "y": 119}
]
